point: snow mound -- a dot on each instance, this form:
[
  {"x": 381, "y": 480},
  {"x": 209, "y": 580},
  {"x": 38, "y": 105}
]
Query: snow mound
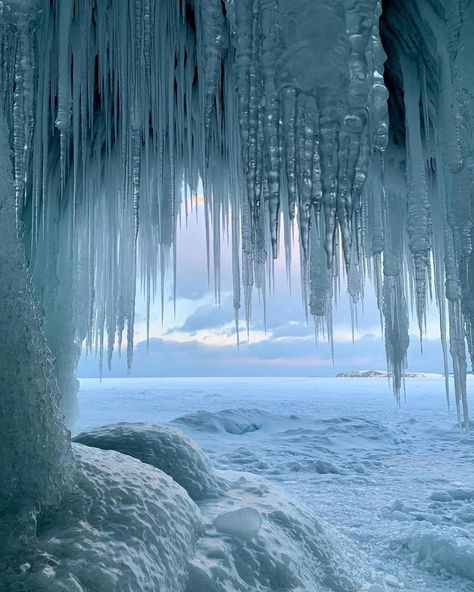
[
  {"x": 128, "y": 527},
  {"x": 231, "y": 421},
  {"x": 440, "y": 551},
  {"x": 271, "y": 544},
  {"x": 315, "y": 445},
  {"x": 163, "y": 447}
]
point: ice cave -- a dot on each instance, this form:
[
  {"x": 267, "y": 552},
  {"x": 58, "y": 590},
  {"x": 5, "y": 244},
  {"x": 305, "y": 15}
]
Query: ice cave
[{"x": 346, "y": 123}]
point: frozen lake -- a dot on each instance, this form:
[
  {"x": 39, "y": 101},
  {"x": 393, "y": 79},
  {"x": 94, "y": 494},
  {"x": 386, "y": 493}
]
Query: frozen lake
[{"x": 397, "y": 481}]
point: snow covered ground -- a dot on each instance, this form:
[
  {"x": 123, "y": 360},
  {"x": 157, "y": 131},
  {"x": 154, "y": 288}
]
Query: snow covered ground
[{"x": 398, "y": 482}]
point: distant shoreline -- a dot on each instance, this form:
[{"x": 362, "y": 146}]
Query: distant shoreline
[{"x": 382, "y": 374}]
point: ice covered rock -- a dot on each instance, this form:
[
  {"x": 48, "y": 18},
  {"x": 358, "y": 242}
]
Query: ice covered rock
[
  {"x": 290, "y": 550},
  {"x": 243, "y": 522},
  {"x": 441, "y": 496},
  {"x": 161, "y": 446},
  {"x": 127, "y": 527}
]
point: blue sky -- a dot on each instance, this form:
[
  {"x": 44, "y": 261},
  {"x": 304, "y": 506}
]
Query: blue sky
[{"x": 200, "y": 339}]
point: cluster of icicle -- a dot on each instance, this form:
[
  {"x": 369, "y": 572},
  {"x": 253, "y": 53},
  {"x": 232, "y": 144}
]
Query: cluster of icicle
[{"x": 120, "y": 109}]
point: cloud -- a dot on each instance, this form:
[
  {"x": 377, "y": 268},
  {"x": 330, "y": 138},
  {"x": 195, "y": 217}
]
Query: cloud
[
  {"x": 200, "y": 338},
  {"x": 274, "y": 356},
  {"x": 207, "y": 317}
]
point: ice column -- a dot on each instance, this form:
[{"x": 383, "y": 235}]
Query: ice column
[{"x": 35, "y": 460}]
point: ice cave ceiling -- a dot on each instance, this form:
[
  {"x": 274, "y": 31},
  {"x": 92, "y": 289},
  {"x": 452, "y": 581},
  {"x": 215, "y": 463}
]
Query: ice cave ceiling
[{"x": 312, "y": 113}]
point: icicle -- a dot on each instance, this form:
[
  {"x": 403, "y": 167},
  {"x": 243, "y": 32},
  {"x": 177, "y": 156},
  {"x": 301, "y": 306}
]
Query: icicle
[
  {"x": 270, "y": 47},
  {"x": 419, "y": 224},
  {"x": 394, "y": 302},
  {"x": 63, "y": 117},
  {"x": 289, "y": 117},
  {"x": 213, "y": 29},
  {"x": 279, "y": 111}
]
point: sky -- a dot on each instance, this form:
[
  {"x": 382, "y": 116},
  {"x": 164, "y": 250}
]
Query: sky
[{"x": 199, "y": 338}]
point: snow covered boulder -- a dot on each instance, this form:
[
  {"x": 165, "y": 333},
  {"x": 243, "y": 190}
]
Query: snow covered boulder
[
  {"x": 127, "y": 527},
  {"x": 163, "y": 447},
  {"x": 258, "y": 540}
]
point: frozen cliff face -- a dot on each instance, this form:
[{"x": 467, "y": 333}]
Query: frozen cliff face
[{"x": 118, "y": 110}]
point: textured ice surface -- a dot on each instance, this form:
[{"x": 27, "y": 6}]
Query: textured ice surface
[
  {"x": 438, "y": 551},
  {"x": 35, "y": 448},
  {"x": 127, "y": 527},
  {"x": 270, "y": 543},
  {"x": 163, "y": 447},
  {"x": 401, "y": 481}
]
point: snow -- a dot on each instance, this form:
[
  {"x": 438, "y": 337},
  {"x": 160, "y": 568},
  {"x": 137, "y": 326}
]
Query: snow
[{"x": 396, "y": 482}]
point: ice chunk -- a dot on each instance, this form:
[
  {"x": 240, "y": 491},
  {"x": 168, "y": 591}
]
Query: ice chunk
[
  {"x": 437, "y": 551},
  {"x": 243, "y": 522}
]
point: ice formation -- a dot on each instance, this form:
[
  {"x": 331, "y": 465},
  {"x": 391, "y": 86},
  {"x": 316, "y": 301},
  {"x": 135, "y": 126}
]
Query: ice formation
[
  {"x": 288, "y": 112},
  {"x": 35, "y": 457},
  {"x": 249, "y": 537},
  {"x": 163, "y": 447},
  {"x": 126, "y": 527},
  {"x": 117, "y": 110}
]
